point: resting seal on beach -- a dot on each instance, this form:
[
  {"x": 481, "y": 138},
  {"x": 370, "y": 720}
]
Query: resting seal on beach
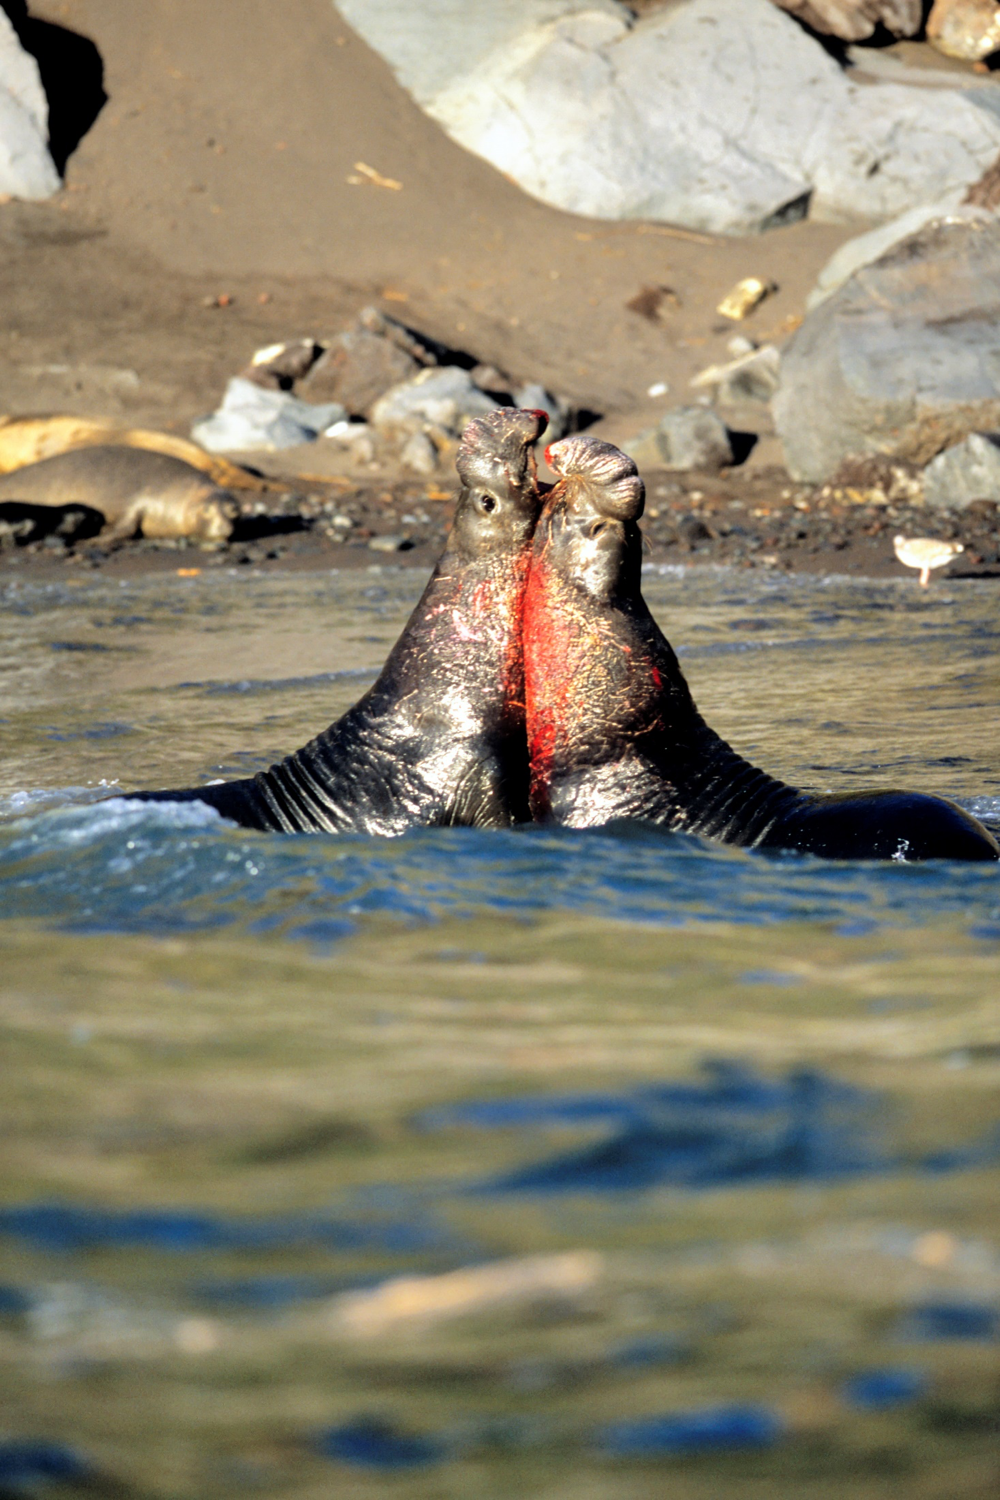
[
  {"x": 613, "y": 731},
  {"x": 135, "y": 490},
  {"x": 439, "y": 738}
]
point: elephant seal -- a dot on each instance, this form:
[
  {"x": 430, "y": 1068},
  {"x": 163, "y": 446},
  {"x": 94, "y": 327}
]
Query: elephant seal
[
  {"x": 135, "y": 490},
  {"x": 439, "y": 739},
  {"x": 613, "y": 731},
  {"x": 27, "y": 440}
]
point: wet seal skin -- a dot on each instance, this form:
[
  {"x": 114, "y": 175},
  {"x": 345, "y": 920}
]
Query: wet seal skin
[
  {"x": 613, "y": 731},
  {"x": 439, "y": 738}
]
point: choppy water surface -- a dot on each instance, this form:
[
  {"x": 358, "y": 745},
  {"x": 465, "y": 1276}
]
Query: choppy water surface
[{"x": 731, "y": 1123}]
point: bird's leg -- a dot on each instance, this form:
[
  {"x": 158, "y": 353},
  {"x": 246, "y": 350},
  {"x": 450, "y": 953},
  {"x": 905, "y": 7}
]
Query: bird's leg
[{"x": 925, "y": 577}]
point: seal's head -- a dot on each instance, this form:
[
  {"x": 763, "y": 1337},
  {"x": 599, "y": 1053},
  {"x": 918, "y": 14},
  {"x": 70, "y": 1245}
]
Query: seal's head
[
  {"x": 589, "y": 534},
  {"x": 499, "y": 502}
]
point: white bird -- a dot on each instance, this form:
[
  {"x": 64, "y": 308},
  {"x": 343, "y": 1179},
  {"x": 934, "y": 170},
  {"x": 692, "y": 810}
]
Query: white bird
[{"x": 925, "y": 553}]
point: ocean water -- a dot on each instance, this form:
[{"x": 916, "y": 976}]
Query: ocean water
[{"x": 501, "y": 1163}]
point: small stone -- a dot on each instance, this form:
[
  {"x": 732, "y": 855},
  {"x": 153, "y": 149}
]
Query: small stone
[
  {"x": 966, "y": 29},
  {"x": 963, "y": 473},
  {"x": 391, "y": 542},
  {"x": 419, "y": 454},
  {"x": 745, "y": 296},
  {"x": 750, "y": 377}
]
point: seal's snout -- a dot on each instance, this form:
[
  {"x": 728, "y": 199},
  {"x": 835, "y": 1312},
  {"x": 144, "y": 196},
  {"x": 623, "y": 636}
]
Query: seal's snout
[
  {"x": 498, "y": 446},
  {"x": 606, "y": 479}
]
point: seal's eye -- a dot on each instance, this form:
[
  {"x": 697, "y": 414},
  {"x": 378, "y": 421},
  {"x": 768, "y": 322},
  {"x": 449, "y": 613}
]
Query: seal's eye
[
  {"x": 598, "y": 528},
  {"x": 487, "y": 503}
]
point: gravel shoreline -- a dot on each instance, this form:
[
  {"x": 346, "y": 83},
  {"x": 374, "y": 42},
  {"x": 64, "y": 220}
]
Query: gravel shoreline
[{"x": 753, "y": 518}]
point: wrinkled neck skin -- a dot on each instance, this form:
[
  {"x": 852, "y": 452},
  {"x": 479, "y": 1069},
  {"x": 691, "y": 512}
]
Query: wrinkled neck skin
[
  {"x": 613, "y": 731},
  {"x": 439, "y": 738}
]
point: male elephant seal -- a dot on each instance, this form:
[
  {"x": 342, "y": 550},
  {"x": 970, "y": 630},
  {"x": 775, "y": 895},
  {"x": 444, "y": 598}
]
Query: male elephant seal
[
  {"x": 135, "y": 491},
  {"x": 439, "y": 739},
  {"x": 613, "y": 731}
]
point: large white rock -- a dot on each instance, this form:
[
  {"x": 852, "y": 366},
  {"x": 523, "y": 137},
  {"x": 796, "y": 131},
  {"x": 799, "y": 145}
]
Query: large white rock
[
  {"x": 723, "y": 115},
  {"x": 902, "y": 360},
  {"x": 26, "y": 168},
  {"x": 251, "y": 417}
]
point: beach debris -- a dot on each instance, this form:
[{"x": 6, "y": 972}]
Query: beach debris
[
  {"x": 649, "y": 301},
  {"x": 901, "y": 360},
  {"x": 364, "y": 175},
  {"x": 420, "y": 1301},
  {"x": 601, "y": 113},
  {"x": 250, "y": 417},
  {"x": 278, "y": 366},
  {"x": 754, "y": 376},
  {"x": 26, "y": 440},
  {"x": 689, "y": 437},
  {"x": 967, "y": 471},
  {"x": 26, "y": 167},
  {"x": 744, "y": 297},
  {"x": 925, "y": 553},
  {"x": 873, "y": 479},
  {"x": 658, "y": 388},
  {"x": 966, "y": 29},
  {"x": 948, "y": 1320}
]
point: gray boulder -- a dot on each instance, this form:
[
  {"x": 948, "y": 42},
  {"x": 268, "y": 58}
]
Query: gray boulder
[
  {"x": 26, "y": 168},
  {"x": 904, "y": 359},
  {"x": 723, "y": 115},
  {"x": 251, "y": 417},
  {"x": 443, "y": 399},
  {"x": 691, "y": 437},
  {"x": 361, "y": 363},
  {"x": 968, "y": 471},
  {"x": 865, "y": 248}
]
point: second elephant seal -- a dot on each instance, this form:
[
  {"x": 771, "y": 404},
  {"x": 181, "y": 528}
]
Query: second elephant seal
[
  {"x": 613, "y": 730},
  {"x": 137, "y": 492}
]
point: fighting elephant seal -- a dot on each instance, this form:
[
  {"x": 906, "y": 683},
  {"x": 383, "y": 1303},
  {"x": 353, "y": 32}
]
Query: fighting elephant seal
[
  {"x": 135, "y": 490},
  {"x": 439, "y": 738},
  {"x": 613, "y": 731}
]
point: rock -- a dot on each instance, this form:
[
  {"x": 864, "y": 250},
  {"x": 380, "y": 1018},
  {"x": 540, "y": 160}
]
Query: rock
[
  {"x": 751, "y": 377},
  {"x": 865, "y": 248},
  {"x": 363, "y": 362},
  {"x": 722, "y": 115},
  {"x": 390, "y": 543},
  {"x": 966, "y": 472},
  {"x": 250, "y": 417},
  {"x": 419, "y": 454},
  {"x": 691, "y": 437},
  {"x": 854, "y": 20},
  {"x": 444, "y": 399},
  {"x": 904, "y": 359},
  {"x": 967, "y": 29},
  {"x": 535, "y": 397},
  {"x": 279, "y": 366},
  {"x": 747, "y": 294},
  {"x": 26, "y": 168}
]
